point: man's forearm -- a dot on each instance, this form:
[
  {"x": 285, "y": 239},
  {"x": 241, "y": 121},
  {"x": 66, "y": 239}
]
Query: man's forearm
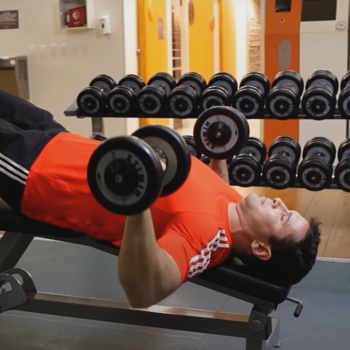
[
  {"x": 219, "y": 166},
  {"x": 146, "y": 272}
]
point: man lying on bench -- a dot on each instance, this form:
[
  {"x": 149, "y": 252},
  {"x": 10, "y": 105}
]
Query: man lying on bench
[{"x": 43, "y": 175}]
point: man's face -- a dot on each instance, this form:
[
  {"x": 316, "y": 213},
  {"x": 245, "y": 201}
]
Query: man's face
[{"x": 263, "y": 217}]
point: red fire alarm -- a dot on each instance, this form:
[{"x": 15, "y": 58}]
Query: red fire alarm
[{"x": 76, "y": 17}]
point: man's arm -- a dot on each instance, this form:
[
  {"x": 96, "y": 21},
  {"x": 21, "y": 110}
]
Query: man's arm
[
  {"x": 147, "y": 273},
  {"x": 219, "y": 166}
]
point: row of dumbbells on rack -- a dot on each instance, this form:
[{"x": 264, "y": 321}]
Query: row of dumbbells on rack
[
  {"x": 286, "y": 97},
  {"x": 278, "y": 166}
]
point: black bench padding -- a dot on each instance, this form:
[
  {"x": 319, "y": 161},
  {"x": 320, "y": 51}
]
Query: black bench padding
[{"x": 226, "y": 275}]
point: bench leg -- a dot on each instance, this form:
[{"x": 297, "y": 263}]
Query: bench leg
[
  {"x": 12, "y": 247},
  {"x": 270, "y": 344}
]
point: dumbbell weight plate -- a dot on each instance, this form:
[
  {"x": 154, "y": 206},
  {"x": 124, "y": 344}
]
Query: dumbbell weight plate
[
  {"x": 345, "y": 81},
  {"x": 244, "y": 171},
  {"x": 289, "y": 77},
  {"x": 214, "y": 96},
  {"x": 342, "y": 174},
  {"x": 220, "y": 132},
  {"x": 283, "y": 102},
  {"x": 344, "y": 102},
  {"x": 174, "y": 147},
  {"x": 257, "y": 79},
  {"x": 323, "y": 77},
  {"x": 151, "y": 101},
  {"x": 132, "y": 81},
  {"x": 250, "y": 101},
  {"x": 225, "y": 80},
  {"x": 121, "y": 101},
  {"x": 91, "y": 101},
  {"x": 104, "y": 82},
  {"x": 286, "y": 146},
  {"x": 279, "y": 172},
  {"x": 195, "y": 80},
  {"x": 255, "y": 148},
  {"x": 125, "y": 175},
  {"x": 319, "y": 102},
  {"x": 192, "y": 147},
  {"x": 344, "y": 149},
  {"x": 315, "y": 173},
  {"x": 320, "y": 146},
  {"x": 166, "y": 81},
  {"x": 183, "y": 102}
]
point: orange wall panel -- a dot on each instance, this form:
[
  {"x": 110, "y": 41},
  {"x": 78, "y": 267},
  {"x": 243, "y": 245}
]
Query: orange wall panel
[{"x": 281, "y": 52}]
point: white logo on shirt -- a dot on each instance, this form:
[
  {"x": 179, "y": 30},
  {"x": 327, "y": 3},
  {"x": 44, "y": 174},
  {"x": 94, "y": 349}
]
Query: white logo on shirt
[{"x": 201, "y": 261}]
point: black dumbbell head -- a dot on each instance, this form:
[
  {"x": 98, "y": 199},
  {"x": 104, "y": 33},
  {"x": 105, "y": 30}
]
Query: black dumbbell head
[
  {"x": 220, "y": 132},
  {"x": 257, "y": 79},
  {"x": 91, "y": 101},
  {"x": 250, "y": 101},
  {"x": 125, "y": 175},
  {"x": 103, "y": 82},
  {"x": 342, "y": 174},
  {"x": 132, "y": 81},
  {"x": 255, "y": 148},
  {"x": 164, "y": 80},
  {"x": 315, "y": 173},
  {"x": 151, "y": 101},
  {"x": 192, "y": 147},
  {"x": 344, "y": 149},
  {"x": 319, "y": 102},
  {"x": 345, "y": 80},
  {"x": 320, "y": 146},
  {"x": 121, "y": 101},
  {"x": 183, "y": 102},
  {"x": 323, "y": 77},
  {"x": 214, "y": 96},
  {"x": 225, "y": 80},
  {"x": 283, "y": 102},
  {"x": 289, "y": 77},
  {"x": 344, "y": 102},
  {"x": 244, "y": 171},
  {"x": 286, "y": 146},
  {"x": 175, "y": 150},
  {"x": 195, "y": 80},
  {"x": 279, "y": 172}
]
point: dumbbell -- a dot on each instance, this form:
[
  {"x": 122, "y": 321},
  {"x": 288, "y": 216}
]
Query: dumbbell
[
  {"x": 342, "y": 169},
  {"x": 166, "y": 81},
  {"x": 151, "y": 101},
  {"x": 183, "y": 101},
  {"x": 92, "y": 100},
  {"x": 220, "y": 132},
  {"x": 192, "y": 147},
  {"x": 344, "y": 96},
  {"x": 132, "y": 81},
  {"x": 121, "y": 101},
  {"x": 319, "y": 99},
  {"x": 251, "y": 95},
  {"x": 245, "y": 169},
  {"x": 126, "y": 174},
  {"x": 220, "y": 91},
  {"x": 284, "y": 97},
  {"x": 279, "y": 169},
  {"x": 315, "y": 170}
]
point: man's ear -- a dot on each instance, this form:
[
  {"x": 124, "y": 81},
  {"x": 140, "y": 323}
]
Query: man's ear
[{"x": 261, "y": 250}]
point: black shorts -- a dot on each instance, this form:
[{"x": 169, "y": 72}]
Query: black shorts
[{"x": 24, "y": 131}]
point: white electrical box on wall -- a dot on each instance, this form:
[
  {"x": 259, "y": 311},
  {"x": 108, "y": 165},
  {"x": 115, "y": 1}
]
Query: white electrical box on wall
[
  {"x": 76, "y": 14},
  {"x": 105, "y": 25}
]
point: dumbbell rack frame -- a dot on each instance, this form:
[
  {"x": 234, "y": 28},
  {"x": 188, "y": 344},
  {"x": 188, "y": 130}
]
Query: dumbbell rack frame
[{"x": 98, "y": 129}]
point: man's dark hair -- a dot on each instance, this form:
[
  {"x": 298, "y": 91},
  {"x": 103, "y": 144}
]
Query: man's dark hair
[{"x": 290, "y": 261}]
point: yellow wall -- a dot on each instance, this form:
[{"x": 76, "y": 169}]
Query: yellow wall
[
  {"x": 227, "y": 37},
  {"x": 153, "y": 56},
  {"x": 201, "y": 39}
]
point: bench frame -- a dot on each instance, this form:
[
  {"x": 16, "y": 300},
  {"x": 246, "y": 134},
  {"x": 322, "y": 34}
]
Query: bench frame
[{"x": 259, "y": 329}]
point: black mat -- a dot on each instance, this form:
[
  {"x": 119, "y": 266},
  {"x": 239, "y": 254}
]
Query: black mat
[{"x": 68, "y": 269}]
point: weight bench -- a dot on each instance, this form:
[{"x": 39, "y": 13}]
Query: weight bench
[{"x": 260, "y": 330}]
